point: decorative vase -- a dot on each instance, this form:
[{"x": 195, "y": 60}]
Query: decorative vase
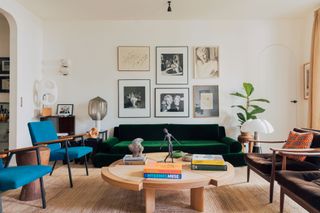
[{"x": 243, "y": 138}]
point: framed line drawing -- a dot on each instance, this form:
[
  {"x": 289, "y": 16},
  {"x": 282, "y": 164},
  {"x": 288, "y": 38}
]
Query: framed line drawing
[
  {"x": 4, "y": 65},
  {"x": 133, "y": 58},
  {"x": 172, "y": 102},
  {"x": 206, "y": 62},
  {"x": 306, "y": 80},
  {"x": 205, "y": 101},
  {"x": 172, "y": 65},
  {"x": 134, "y": 98}
]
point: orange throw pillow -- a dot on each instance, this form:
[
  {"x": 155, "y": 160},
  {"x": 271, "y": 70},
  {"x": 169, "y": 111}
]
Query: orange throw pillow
[{"x": 298, "y": 141}]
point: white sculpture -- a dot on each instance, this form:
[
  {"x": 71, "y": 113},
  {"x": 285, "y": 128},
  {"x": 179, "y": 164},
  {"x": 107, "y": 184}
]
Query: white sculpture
[{"x": 136, "y": 148}]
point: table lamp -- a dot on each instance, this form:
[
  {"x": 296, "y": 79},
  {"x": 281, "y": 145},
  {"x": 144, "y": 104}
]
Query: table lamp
[
  {"x": 257, "y": 126},
  {"x": 97, "y": 110}
]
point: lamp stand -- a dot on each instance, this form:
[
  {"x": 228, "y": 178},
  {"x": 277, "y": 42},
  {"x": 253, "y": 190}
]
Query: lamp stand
[
  {"x": 256, "y": 146},
  {"x": 98, "y": 124}
]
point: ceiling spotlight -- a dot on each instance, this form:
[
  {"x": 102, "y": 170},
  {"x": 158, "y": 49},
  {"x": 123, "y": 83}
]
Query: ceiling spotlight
[{"x": 169, "y": 6}]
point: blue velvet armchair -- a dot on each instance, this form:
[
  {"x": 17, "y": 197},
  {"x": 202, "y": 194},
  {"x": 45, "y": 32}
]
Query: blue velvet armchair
[
  {"x": 17, "y": 176},
  {"x": 43, "y": 132}
]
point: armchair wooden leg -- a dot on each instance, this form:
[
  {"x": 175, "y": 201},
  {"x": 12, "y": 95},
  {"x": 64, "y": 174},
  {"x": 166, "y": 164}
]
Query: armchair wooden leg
[
  {"x": 271, "y": 190},
  {"x": 43, "y": 194},
  {"x": 281, "y": 200},
  {"x": 248, "y": 174},
  {"x": 86, "y": 164},
  {"x": 54, "y": 164},
  {"x": 68, "y": 162}
]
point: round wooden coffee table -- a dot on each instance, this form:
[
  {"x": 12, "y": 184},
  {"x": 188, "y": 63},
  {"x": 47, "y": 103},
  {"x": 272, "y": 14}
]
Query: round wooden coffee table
[{"x": 131, "y": 177}]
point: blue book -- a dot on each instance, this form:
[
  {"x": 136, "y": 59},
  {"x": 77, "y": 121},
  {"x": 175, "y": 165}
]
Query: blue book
[{"x": 162, "y": 175}]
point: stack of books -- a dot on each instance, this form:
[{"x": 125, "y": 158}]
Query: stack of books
[
  {"x": 163, "y": 170},
  {"x": 130, "y": 160},
  {"x": 208, "y": 162}
]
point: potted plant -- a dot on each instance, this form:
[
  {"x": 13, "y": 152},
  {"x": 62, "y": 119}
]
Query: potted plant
[{"x": 249, "y": 109}]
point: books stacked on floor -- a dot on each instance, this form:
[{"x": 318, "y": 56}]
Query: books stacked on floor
[
  {"x": 208, "y": 162},
  {"x": 130, "y": 160},
  {"x": 163, "y": 170}
]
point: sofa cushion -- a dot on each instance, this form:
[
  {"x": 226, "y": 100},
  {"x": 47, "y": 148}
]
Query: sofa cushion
[
  {"x": 297, "y": 140},
  {"x": 199, "y": 146},
  {"x": 263, "y": 162},
  {"x": 128, "y": 132},
  {"x": 303, "y": 184},
  {"x": 194, "y": 131}
]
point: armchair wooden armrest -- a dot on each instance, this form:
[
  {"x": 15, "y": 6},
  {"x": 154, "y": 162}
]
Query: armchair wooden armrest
[
  {"x": 74, "y": 136},
  {"x": 295, "y": 150},
  {"x": 256, "y": 141},
  {"x": 306, "y": 153},
  {"x": 12, "y": 151},
  {"x": 55, "y": 141}
]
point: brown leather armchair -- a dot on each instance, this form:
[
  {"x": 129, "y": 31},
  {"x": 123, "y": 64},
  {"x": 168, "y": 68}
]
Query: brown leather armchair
[{"x": 266, "y": 164}]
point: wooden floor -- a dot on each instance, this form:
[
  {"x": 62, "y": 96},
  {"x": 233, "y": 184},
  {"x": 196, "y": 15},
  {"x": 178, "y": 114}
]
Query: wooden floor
[{"x": 92, "y": 194}]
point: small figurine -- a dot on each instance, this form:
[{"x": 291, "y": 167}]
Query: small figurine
[
  {"x": 167, "y": 138},
  {"x": 136, "y": 148}
]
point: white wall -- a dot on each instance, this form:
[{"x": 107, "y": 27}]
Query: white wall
[
  {"x": 4, "y": 48},
  {"x": 26, "y": 54},
  {"x": 92, "y": 48}
]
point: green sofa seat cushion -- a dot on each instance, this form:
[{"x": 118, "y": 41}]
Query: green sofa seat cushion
[{"x": 190, "y": 146}]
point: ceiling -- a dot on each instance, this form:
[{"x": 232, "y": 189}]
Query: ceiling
[{"x": 181, "y": 9}]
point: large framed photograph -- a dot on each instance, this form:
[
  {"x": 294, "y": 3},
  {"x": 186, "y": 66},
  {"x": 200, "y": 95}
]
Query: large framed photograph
[
  {"x": 65, "y": 109},
  {"x": 4, "y": 84},
  {"x": 4, "y": 65},
  {"x": 172, "y": 65},
  {"x": 133, "y": 58},
  {"x": 306, "y": 80},
  {"x": 172, "y": 102},
  {"x": 205, "y": 101},
  {"x": 206, "y": 62},
  {"x": 134, "y": 98}
]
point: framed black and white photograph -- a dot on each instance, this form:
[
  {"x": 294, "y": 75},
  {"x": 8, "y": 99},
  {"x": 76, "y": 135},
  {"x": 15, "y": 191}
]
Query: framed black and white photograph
[
  {"x": 205, "y": 101},
  {"x": 4, "y": 84},
  {"x": 172, "y": 102},
  {"x": 306, "y": 80},
  {"x": 172, "y": 65},
  {"x": 64, "y": 109},
  {"x": 133, "y": 58},
  {"x": 134, "y": 98},
  {"x": 206, "y": 62},
  {"x": 4, "y": 65},
  {"x": 4, "y": 109}
]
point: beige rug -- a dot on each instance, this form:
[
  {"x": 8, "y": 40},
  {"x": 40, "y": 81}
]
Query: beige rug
[{"x": 92, "y": 194}]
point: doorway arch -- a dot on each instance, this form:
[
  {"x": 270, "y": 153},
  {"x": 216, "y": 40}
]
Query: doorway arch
[{"x": 13, "y": 79}]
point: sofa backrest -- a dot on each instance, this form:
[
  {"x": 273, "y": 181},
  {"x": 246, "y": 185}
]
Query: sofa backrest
[
  {"x": 315, "y": 143},
  {"x": 179, "y": 131}
]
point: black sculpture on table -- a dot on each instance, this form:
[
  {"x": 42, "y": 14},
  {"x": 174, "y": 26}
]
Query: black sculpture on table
[{"x": 167, "y": 138}]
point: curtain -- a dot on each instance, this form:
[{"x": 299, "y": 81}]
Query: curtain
[{"x": 315, "y": 69}]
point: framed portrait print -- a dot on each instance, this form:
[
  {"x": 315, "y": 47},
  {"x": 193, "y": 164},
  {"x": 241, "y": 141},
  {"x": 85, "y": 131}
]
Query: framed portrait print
[
  {"x": 205, "y": 101},
  {"x": 306, "y": 80},
  {"x": 172, "y": 102},
  {"x": 134, "y": 98},
  {"x": 4, "y": 84},
  {"x": 172, "y": 65},
  {"x": 4, "y": 65},
  {"x": 64, "y": 109},
  {"x": 206, "y": 62},
  {"x": 133, "y": 58}
]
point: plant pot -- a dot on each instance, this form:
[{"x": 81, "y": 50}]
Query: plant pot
[{"x": 243, "y": 138}]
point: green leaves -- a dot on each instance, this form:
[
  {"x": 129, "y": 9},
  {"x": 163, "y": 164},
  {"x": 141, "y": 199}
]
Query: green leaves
[
  {"x": 238, "y": 94},
  {"x": 261, "y": 100},
  {"x": 248, "y": 88},
  {"x": 241, "y": 117}
]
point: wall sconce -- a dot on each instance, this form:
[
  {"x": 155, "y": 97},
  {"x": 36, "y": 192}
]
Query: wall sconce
[
  {"x": 169, "y": 6},
  {"x": 65, "y": 66}
]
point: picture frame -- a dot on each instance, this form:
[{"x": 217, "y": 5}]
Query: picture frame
[
  {"x": 4, "y": 84},
  {"x": 64, "y": 109},
  {"x": 205, "y": 101},
  {"x": 172, "y": 102},
  {"x": 206, "y": 62},
  {"x": 4, "y": 65},
  {"x": 172, "y": 65},
  {"x": 134, "y": 98},
  {"x": 133, "y": 58},
  {"x": 306, "y": 80},
  {"x": 4, "y": 111}
]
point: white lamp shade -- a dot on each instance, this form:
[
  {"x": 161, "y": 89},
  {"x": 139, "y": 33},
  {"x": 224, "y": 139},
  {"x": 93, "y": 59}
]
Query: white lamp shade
[{"x": 257, "y": 125}]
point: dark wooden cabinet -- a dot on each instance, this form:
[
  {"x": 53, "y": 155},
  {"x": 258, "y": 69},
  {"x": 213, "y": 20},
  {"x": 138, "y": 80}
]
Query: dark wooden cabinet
[{"x": 63, "y": 124}]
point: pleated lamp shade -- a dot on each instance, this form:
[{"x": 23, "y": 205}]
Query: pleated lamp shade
[{"x": 97, "y": 108}]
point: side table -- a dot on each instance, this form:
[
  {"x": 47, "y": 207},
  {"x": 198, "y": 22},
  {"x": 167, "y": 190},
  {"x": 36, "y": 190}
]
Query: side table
[{"x": 32, "y": 190}]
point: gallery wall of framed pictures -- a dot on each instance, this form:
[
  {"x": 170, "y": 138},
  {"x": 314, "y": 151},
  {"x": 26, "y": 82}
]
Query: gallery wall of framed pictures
[
  {"x": 170, "y": 98},
  {"x": 4, "y": 74}
]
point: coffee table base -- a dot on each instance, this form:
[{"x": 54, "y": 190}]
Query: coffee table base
[{"x": 196, "y": 199}]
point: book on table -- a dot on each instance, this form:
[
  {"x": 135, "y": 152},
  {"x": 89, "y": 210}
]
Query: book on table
[
  {"x": 163, "y": 170},
  {"x": 209, "y": 167},
  {"x": 130, "y": 160},
  {"x": 207, "y": 159}
]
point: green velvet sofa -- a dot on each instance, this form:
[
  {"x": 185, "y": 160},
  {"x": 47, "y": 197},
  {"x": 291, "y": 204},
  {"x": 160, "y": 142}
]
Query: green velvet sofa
[{"x": 193, "y": 138}]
